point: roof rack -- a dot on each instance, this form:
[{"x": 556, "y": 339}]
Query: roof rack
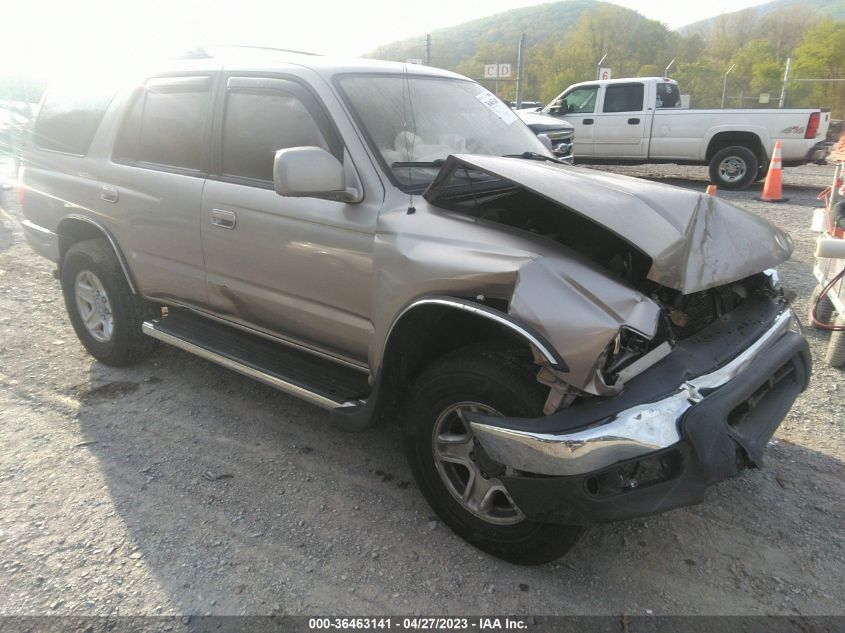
[
  {"x": 202, "y": 52},
  {"x": 195, "y": 53}
]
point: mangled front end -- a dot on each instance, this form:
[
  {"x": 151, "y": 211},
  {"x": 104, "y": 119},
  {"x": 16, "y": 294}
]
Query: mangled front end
[{"x": 656, "y": 299}]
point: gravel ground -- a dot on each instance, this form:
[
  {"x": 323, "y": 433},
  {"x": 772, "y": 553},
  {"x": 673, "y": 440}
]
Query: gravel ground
[{"x": 177, "y": 487}]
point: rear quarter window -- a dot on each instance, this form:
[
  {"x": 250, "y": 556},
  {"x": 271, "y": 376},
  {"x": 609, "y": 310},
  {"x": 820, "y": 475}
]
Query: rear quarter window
[
  {"x": 668, "y": 96},
  {"x": 69, "y": 118}
]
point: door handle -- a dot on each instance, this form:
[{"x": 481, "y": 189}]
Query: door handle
[
  {"x": 108, "y": 194},
  {"x": 224, "y": 219},
  {"x": 588, "y": 121},
  {"x": 633, "y": 121}
]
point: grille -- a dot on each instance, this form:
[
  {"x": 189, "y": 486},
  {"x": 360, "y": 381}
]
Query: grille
[
  {"x": 689, "y": 314},
  {"x": 695, "y": 313}
]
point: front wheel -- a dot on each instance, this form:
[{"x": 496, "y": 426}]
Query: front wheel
[
  {"x": 458, "y": 479},
  {"x": 734, "y": 168}
]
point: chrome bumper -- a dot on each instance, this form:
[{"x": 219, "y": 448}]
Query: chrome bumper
[{"x": 629, "y": 434}]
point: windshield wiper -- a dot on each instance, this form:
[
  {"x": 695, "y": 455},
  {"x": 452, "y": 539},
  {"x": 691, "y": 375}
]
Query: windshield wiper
[
  {"x": 535, "y": 156},
  {"x": 430, "y": 163}
]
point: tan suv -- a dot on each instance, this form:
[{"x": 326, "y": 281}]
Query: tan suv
[{"x": 390, "y": 242}]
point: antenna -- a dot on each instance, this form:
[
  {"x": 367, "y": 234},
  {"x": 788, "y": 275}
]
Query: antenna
[{"x": 406, "y": 86}]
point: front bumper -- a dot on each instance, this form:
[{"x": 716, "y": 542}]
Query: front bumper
[{"x": 647, "y": 450}]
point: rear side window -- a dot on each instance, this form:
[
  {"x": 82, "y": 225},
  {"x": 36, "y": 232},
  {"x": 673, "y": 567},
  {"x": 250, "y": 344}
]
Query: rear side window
[
  {"x": 668, "y": 96},
  {"x": 166, "y": 124},
  {"x": 261, "y": 117},
  {"x": 68, "y": 119},
  {"x": 624, "y": 98}
]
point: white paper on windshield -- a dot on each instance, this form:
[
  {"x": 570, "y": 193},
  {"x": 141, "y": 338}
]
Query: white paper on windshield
[{"x": 496, "y": 106}]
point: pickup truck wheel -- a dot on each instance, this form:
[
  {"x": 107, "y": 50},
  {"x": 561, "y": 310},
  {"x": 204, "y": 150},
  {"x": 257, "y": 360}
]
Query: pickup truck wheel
[
  {"x": 105, "y": 314},
  {"x": 460, "y": 482},
  {"x": 825, "y": 311},
  {"x": 734, "y": 167}
]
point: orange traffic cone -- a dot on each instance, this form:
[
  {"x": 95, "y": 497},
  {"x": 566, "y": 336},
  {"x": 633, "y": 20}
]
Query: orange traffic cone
[
  {"x": 772, "y": 189},
  {"x": 711, "y": 190}
]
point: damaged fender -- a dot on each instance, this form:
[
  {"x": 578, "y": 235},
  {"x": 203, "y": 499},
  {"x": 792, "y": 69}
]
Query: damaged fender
[
  {"x": 568, "y": 300},
  {"x": 580, "y": 312}
]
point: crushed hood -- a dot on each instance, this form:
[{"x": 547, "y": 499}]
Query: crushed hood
[{"x": 695, "y": 241}]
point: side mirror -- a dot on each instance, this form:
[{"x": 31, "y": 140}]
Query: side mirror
[{"x": 311, "y": 172}]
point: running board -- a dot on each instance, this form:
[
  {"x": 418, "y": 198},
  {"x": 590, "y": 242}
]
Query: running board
[{"x": 313, "y": 379}]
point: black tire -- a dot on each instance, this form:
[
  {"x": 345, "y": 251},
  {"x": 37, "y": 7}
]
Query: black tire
[
  {"x": 835, "y": 355},
  {"x": 736, "y": 156},
  {"x": 126, "y": 344},
  {"x": 824, "y": 312},
  {"x": 502, "y": 379}
]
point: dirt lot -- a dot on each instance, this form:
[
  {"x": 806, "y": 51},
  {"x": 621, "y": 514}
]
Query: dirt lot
[{"x": 177, "y": 487}]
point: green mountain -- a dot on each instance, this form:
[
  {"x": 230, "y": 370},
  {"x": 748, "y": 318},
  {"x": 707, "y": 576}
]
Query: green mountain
[
  {"x": 825, "y": 8},
  {"x": 625, "y": 35},
  {"x": 454, "y": 45}
]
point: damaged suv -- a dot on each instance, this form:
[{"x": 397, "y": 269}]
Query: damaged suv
[{"x": 561, "y": 347}]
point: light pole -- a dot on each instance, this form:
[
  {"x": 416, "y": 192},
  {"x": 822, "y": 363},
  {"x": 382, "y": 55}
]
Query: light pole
[
  {"x": 598, "y": 66},
  {"x": 725, "y": 84},
  {"x": 782, "y": 101}
]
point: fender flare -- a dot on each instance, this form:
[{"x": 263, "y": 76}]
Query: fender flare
[
  {"x": 523, "y": 331},
  {"x": 124, "y": 266},
  {"x": 761, "y": 133}
]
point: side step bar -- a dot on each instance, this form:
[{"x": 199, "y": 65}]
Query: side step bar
[{"x": 313, "y": 379}]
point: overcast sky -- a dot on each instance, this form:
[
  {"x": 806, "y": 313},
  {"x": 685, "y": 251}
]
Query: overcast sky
[{"x": 51, "y": 37}]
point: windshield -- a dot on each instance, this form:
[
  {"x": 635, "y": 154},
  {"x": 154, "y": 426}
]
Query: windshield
[{"x": 415, "y": 122}]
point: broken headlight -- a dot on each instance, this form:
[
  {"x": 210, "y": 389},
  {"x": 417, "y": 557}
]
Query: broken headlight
[{"x": 626, "y": 347}]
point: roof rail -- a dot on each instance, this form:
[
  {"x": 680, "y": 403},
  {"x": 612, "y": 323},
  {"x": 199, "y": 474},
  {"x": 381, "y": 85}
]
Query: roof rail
[
  {"x": 195, "y": 53},
  {"x": 266, "y": 48}
]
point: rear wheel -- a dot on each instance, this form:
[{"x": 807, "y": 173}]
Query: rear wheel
[
  {"x": 104, "y": 312},
  {"x": 460, "y": 481},
  {"x": 734, "y": 167}
]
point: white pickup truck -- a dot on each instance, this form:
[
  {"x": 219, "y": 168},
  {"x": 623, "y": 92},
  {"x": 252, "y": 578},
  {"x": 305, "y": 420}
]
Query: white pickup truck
[{"x": 640, "y": 120}]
